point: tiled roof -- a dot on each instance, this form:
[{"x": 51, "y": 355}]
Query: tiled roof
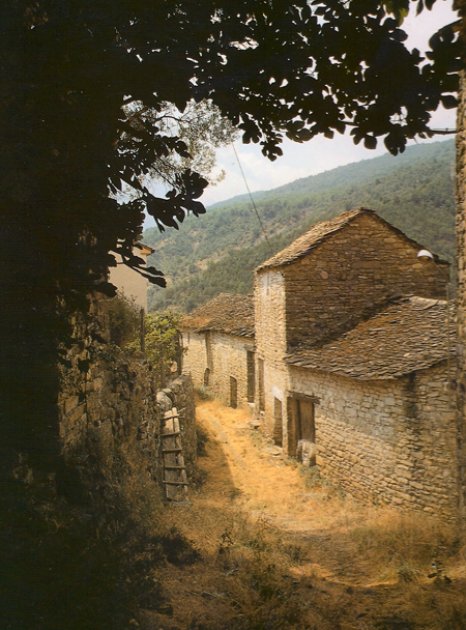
[
  {"x": 319, "y": 233},
  {"x": 407, "y": 336},
  {"x": 228, "y": 313}
]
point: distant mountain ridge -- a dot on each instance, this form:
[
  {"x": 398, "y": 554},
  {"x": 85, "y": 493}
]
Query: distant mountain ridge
[{"x": 219, "y": 251}]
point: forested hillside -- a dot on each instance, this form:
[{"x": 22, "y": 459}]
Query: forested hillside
[{"x": 219, "y": 251}]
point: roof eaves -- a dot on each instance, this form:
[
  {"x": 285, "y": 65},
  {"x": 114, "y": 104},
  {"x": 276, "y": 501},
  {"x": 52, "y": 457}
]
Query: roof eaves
[{"x": 352, "y": 214}]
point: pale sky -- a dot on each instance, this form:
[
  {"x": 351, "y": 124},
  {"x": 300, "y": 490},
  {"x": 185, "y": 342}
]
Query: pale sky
[{"x": 320, "y": 154}]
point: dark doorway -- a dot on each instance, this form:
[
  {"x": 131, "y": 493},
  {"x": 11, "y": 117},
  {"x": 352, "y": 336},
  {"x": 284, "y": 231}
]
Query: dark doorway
[
  {"x": 233, "y": 392},
  {"x": 277, "y": 422},
  {"x": 206, "y": 377},
  {"x": 301, "y": 424},
  {"x": 260, "y": 364},
  {"x": 208, "y": 351}
]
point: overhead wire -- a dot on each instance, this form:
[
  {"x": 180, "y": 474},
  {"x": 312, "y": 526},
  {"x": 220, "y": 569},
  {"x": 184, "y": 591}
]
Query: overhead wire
[{"x": 251, "y": 198}]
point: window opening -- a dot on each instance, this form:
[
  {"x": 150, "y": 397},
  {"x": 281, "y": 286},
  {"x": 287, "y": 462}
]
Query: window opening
[
  {"x": 251, "y": 376},
  {"x": 233, "y": 392},
  {"x": 277, "y": 422},
  {"x": 260, "y": 364}
]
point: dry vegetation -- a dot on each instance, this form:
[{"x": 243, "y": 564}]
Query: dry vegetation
[{"x": 279, "y": 548}]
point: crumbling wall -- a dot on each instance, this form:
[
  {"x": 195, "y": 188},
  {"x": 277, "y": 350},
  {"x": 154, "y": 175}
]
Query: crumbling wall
[{"x": 110, "y": 415}]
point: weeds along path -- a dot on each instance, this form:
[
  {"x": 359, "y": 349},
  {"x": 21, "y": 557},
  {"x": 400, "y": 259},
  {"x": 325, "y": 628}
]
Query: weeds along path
[
  {"x": 277, "y": 548},
  {"x": 277, "y": 491}
]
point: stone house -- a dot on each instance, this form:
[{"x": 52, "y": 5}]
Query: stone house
[
  {"x": 379, "y": 406},
  {"x": 353, "y": 361},
  {"x": 218, "y": 348}
]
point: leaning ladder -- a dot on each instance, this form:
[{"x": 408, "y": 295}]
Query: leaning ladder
[{"x": 175, "y": 479}]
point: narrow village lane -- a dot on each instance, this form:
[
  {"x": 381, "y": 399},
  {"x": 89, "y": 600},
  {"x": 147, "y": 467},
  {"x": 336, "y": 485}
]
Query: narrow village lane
[{"x": 280, "y": 548}]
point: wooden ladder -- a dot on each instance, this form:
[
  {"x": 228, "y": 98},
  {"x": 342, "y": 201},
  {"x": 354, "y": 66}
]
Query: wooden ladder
[{"x": 175, "y": 479}]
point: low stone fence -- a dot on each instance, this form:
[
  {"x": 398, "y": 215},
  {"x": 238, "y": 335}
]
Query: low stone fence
[{"x": 110, "y": 415}]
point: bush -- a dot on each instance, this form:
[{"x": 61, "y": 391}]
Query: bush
[
  {"x": 123, "y": 320},
  {"x": 162, "y": 344},
  {"x": 203, "y": 393},
  {"x": 201, "y": 439}
]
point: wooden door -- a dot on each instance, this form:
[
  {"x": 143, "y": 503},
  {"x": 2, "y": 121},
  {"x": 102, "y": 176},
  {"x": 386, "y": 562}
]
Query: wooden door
[
  {"x": 301, "y": 422},
  {"x": 306, "y": 429},
  {"x": 277, "y": 422}
]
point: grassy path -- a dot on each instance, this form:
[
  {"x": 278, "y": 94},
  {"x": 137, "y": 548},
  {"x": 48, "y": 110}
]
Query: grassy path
[{"x": 280, "y": 549}]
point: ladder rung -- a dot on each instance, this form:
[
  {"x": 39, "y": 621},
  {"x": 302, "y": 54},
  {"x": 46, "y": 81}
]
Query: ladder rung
[
  {"x": 172, "y": 450},
  {"x": 175, "y": 483},
  {"x": 174, "y": 467},
  {"x": 170, "y": 434}
]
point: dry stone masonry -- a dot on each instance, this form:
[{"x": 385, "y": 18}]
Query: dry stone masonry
[
  {"x": 218, "y": 343},
  {"x": 354, "y": 361},
  {"x": 110, "y": 417}
]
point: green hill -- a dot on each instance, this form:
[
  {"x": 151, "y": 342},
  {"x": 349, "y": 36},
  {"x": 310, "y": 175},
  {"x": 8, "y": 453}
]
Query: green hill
[{"x": 219, "y": 251}]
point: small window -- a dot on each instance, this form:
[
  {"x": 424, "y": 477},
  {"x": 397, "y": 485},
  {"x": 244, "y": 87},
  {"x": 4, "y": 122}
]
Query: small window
[
  {"x": 233, "y": 392},
  {"x": 277, "y": 422},
  {"x": 251, "y": 376},
  {"x": 208, "y": 351},
  {"x": 260, "y": 364}
]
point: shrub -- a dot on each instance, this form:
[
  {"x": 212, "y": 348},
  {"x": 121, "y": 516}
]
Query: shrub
[
  {"x": 124, "y": 318},
  {"x": 201, "y": 439},
  {"x": 162, "y": 343}
]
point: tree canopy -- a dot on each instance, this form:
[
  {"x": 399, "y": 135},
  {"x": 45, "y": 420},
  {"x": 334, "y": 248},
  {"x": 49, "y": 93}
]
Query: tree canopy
[{"x": 77, "y": 71}]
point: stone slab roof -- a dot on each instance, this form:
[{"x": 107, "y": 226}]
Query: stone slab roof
[
  {"x": 229, "y": 313},
  {"x": 323, "y": 230},
  {"x": 407, "y": 336}
]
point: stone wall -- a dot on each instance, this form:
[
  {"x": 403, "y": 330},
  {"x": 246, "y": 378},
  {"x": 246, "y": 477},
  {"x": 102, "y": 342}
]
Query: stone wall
[
  {"x": 390, "y": 441},
  {"x": 365, "y": 263},
  {"x": 194, "y": 361},
  {"x": 461, "y": 250},
  {"x": 270, "y": 316},
  {"x": 328, "y": 291},
  {"x": 110, "y": 415},
  {"x": 225, "y": 356}
]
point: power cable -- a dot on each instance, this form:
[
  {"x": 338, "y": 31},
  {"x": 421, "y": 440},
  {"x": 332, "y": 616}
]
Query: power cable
[{"x": 264, "y": 232}]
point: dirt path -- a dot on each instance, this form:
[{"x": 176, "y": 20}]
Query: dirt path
[{"x": 282, "y": 549}]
